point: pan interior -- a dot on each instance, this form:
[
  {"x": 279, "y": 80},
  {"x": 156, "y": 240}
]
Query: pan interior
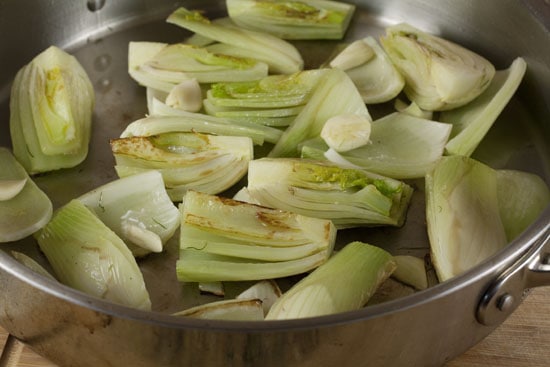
[{"x": 119, "y": 101}]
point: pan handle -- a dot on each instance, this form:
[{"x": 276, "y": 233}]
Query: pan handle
[{"x": 504, "y": 295}]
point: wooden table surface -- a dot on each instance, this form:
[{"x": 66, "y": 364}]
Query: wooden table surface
[{"x": 523, "y": 340}]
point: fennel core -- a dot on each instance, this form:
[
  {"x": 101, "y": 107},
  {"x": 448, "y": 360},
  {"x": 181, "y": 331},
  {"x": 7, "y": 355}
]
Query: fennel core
[
  {"x": 56, "y": 96},
  {"x": 326, "y": 176},
  {"x": 302, "y": 11}
]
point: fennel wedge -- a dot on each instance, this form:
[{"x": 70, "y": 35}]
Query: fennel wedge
[
  {"x": 208, "y": 163},
  {"x": 463, "y": 215},
  {"x": 281, "y": 56},
  {"x": 231, "y": 309},
  {"x": 472, "y": 121},
  {"x": 26, "y": 211},
  {"x": 346, "y": 196},
  {"x": 163, "y": 66},
  {"x": 376, "y": 78},
  {"x": 275, "y": 100},
  {"x": 267, "y": 291},
  {"x": 439, "y": 74},
  {"x": 297, "y": 20},
  {"x": 226, "y": 240},
  {"x": 359, "y": 266},
  {"x": 522, "y": 197},
  {"x": 138, "y": 209},
  {"x": 51, "y": 105},
  {"x": 86, "y": 255},
  {"x": 172, "y": 120},
  {"x": 411, "y": 270}
]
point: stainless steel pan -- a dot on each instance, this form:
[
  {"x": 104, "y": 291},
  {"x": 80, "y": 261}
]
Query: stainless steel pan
[{"x": 423, "y": 329}]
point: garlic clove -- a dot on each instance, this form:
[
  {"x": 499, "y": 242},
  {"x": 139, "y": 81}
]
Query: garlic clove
[
  {"x": 346, "y": 132},
  {"x": 10, "y": 188},
  {"x": 142, "y": 237},
  {"x": 186, "y": 96}
]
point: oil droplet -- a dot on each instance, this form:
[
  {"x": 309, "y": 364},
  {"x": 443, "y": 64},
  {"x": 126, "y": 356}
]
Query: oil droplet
[
  {"x": 102, "y": 63},
  {"x": 104, "y": 85},
  {"x": 95, "y": 5}
]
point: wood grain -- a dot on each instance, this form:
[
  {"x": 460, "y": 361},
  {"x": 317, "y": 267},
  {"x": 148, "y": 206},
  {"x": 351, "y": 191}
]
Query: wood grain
[{"x": 522, "y": 341}]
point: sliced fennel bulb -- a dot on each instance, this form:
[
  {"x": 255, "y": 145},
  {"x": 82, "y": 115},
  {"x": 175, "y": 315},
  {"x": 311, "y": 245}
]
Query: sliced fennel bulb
[
  {"x": 352, "y": 55},
  {"x": 138, "y": 209},
  {"x": 267, "y": 291},
  {"x": 208, "y": 163},
  {"x": 195, "y": 265},
  {"x": 86, "y": 255},
  {"x": 216, "y": 288},
  {"x": 359, "y": 266},
  {"x": 376, "y": 79},
  {"x": 225, "y": 240},
  {"x": 411, "y": 270},
  {"x": 348, "y": 197},
  {"x": 171, "y": 120},
  {"x": 268, "y": 101},
  {"x": 439, "y": 75},
  {"x": 163, "y": 66},
  {"x": 271, "y": 91},
  {"x": 472, "y": 121},
  {"x": 275, "y": 117},
  {"x": 32, "y": 264},
  {"x": 28, "y": 210},
  {"x": 462, "y": 214},
  {"x": 334, "y": 95},
  {"x": 522, "y": 197},
  {"x": 231, "y": 309},
  {"x": 281, "y": 56},
  {"x": 51, "y": 106},
  {"x": 412, "y": 109},
  {"x": 304, "y": 19}
]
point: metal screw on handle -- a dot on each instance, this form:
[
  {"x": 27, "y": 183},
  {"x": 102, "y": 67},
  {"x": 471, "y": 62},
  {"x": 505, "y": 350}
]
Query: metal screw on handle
[{"x": 11, "y": 352}]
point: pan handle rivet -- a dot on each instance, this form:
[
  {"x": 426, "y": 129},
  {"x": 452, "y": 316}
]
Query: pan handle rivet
[{"x": 505, "y": 302}]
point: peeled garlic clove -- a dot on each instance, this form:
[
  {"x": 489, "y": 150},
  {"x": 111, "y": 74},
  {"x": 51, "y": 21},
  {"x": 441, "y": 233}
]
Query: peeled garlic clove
[
  {"x": 346, "y": 132},
  {"x": 355, "y": 54},
  {"x": 186, "y": 96},
  {"x": 142, "y": 237},
  {"x": 10, "y": 188}
]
